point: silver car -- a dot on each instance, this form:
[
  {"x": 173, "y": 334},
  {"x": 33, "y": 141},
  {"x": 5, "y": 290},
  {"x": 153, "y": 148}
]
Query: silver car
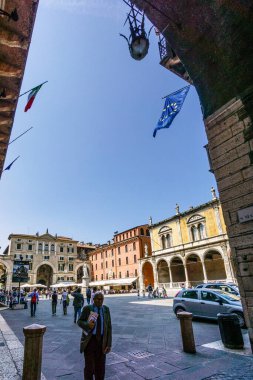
[
  {"x": 229, "y": 288},
  {"x": 207, "y": 303}
]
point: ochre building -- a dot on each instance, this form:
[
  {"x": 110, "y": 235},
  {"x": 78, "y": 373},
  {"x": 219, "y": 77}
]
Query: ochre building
[
  {"x": 52, "y": 259},
  {"x": 115, "y": 264},
  {"x": 188, "y": 248}
]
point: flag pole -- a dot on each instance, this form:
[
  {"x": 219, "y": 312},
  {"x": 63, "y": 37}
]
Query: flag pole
[
  {"x": 33, "y": 88},
  {"x": 173, "y": 93},
  {"x": 20, "y": 135}
]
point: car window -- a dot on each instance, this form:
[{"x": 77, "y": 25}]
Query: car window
[
  {"x": 207, "y": 296},
  {"x": 190, "y": 294},
  {"x": 230, "y": 297},
  {"x": 212, "y": 286}
]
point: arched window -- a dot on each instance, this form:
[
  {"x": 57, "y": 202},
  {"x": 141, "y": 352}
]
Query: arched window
[
  {"x": 46, "y": 247},
  {"x": 194, "y": 233},
  {"x": 163, "y": 242},
  {"x": 201, "y": 229},
  {"x": 127, "y": 273},
  {"x": 168, "y": 241},
  {"x": 52, "y": 248},
  {"x": 147, "y": 233},
  {"x": 40, "y": 246},
  {"x": 142, "y": 231},
  {"x": 102, "y": 276},
  {"x": 119, "y": 261}
]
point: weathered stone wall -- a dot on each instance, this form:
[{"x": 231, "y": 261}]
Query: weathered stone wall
[{"x": 231, "y": 147}]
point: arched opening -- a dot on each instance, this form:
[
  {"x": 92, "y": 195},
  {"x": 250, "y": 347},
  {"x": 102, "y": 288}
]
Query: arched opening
[
  {"x": 148, "y": 275},
  {"x": 194, "y": 269},
  {"x": 45, "y": 275},
  {"x": 177, "y": 270},
  {"x": 163, "y": 242},
  {"x": 79, "y": 275},
  {"x": 163, "y": 272},
  {"x": 3, "y": 276},
  {"x": 214, "y": 264}
]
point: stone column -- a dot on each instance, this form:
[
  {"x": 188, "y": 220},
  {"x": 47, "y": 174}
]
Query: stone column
[
  {"x": 155, "y": 274},
  {"x": 204, "y": 270},
  {"x": 230, "y": 142},
  {"x": 186, "y": 276},
  {"x": 187, "y": 332},
  {"x": 140, "y": 277},
  {"x": 33, "y": 351},
  {"x": 171, "y": 279}
]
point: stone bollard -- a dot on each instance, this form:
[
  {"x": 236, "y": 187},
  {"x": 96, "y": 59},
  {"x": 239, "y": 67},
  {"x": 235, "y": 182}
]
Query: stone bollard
[
  {"x": 33, "y": 351},
  {"x": 187, "y": 332}
]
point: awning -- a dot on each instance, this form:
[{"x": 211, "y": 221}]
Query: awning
[
  {"x": 114, "y": 282},
  {"x": 64, "y": 284}
]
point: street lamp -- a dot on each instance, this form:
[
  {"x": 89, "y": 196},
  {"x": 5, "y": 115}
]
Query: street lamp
[
  {"x": 138, "y": 42},
  {"x": 11, "y": 16}
]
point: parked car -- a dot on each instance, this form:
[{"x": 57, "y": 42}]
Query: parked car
[
  {"x": 207, "y": 303},
  {"x": 229, "y": 288}
]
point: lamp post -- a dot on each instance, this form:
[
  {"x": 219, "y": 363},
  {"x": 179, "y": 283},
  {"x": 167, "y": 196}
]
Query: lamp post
[{"x": 19, "y": 277}]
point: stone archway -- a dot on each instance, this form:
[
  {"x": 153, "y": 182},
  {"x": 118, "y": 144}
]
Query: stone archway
[
  {"x": 45, "y": 275},
  {"x": 194, "y": 269},
  {"x": 177, "y": 270},
  {"x": 163, "y": 272},
  {"x": 148, "y": 274},
  {"x": 214, "y": 264}
]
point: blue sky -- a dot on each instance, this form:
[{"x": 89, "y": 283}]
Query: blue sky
[{"x": 90, "y": 165}]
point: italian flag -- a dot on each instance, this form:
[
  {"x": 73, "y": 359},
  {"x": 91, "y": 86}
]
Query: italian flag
[{"x": 32, "y": 94}]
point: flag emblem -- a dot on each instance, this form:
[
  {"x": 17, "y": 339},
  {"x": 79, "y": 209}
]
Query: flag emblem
[
  {"x": 31, "y": 96},
  {"x": 172, "y": 106}
]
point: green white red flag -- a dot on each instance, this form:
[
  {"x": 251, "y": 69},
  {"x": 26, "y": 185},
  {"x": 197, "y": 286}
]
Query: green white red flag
[{"x": 32, "y": 95}]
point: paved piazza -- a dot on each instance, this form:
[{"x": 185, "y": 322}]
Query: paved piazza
[{"x": 146, "y": 344}]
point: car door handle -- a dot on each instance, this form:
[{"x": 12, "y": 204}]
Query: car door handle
[{"x": 202, "y": 303}]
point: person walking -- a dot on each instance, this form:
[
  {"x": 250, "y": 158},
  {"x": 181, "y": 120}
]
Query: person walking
[
  {"x": 150, "y": 290},
  {"x": 92, "y": 294},
  {"x": 54, "y": 302},
  {"x": 96, "y": 340},
  {"x": 78, "y": 303},
  {"x": 88, "y": 295},
  {"x": 34, "y": 301},
  {"x": 65, "y": 301}
]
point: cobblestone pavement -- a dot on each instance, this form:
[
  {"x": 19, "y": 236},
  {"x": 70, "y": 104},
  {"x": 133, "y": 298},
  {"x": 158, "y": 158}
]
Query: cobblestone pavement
[
  {"x": 146, "y": 344},
  {"x": 245, "y": 373}
]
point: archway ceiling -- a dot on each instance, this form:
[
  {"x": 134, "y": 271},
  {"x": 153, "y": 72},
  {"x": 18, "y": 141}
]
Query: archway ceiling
[
  {"x": 15, "y": 38},
  {"x": 213, "y": 39}
]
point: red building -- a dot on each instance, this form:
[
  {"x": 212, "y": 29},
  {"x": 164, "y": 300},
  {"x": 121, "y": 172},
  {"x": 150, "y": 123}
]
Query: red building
[{"x": 115, "y": 265}]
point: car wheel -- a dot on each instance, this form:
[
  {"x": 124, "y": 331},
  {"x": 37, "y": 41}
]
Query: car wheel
[
  {"x": 178, "y": 310},
  {"x": 241, "y": 319}
]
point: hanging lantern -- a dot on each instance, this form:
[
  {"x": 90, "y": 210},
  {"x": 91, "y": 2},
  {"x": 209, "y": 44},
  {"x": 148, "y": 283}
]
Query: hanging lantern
[{"x": 138, "y": 41}]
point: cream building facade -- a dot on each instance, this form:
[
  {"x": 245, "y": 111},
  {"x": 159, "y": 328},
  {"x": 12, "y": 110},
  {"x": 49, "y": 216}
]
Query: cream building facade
[
  {"x": 52, "y": 259},
  {"x": 188, "y": 248}
]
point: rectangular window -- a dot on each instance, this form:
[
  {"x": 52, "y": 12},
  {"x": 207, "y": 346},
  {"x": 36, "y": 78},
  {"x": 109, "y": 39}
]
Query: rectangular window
[
  {"x": 30, "y": 247},
  {"x": 106, "y": 254},
  {"x": 61, "y": 267},
  {"x": 135, "y": 259},
  {"x": 96, "y": 277},
  {"x": 118, "y": 250},
  {"x": 102, "y": 277},
  {"x": 134, "y": 246},
  {"x": 107, "y": 276},
  {"x": 106, "y": 265},
  {"x": 71, "y": 267},
  {"x": 101, "y": 255},
  {"x": 30, "y": 266},
  {"x": 96, "y": 267},
  {"x": 112, "y": 252},
  {"x": 126, "y": 248},
  {"x": 101, "y": 265},
  {"x": 19, "y": 246},
  {"x": 61, "y": 249},
  {"x": 112, "y": 263},
  {"x": 135, "y": 273},
  {"x": 46, "y": 257},
  {"x": 119, "y": 274},
  {"x": 126, "y": 260},
  {"x": 46, "y": 247},
  {"x": 71, "y": 258},
  {"x": 61, "y": 258},
  {"x": 127, "y": 273},
  {"x": 119, "y": 261}
]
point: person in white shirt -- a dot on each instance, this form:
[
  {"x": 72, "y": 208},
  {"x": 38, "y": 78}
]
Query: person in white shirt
[{"x": 64, "y": 301}]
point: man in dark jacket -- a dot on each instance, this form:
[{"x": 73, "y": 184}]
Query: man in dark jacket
[
  {"x": 77, "y": 303},
  {"x": 96, "y": 340}
]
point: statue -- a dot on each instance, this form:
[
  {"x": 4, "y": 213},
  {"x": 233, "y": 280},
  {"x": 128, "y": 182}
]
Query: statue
[{"x": 85, "y": 271}]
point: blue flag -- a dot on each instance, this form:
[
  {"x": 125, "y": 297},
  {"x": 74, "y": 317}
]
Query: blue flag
[
  {"x": 9, "y": 166},
  {"x": 172, "y": 106}
]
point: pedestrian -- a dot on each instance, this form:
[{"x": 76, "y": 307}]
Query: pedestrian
[
  {"x": 143, "y": 293},
  {"x": 65, "y": 301},
  {"x": 96, "y": 340},
  {"x": 34, "y": 301},
  {"x": 164, "y": 292},
  {"x": 88, "y": 295},
  {"x": 92, "y": 294},
  {"x": 77, "y": 303},
  {"x": 150, "y": 290},
  {"x": 54, "y": 302},
  {"x": 138, "y": 293}
]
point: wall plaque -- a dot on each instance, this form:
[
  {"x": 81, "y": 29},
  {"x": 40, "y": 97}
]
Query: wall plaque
[{"x": 245, "y": 214}]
